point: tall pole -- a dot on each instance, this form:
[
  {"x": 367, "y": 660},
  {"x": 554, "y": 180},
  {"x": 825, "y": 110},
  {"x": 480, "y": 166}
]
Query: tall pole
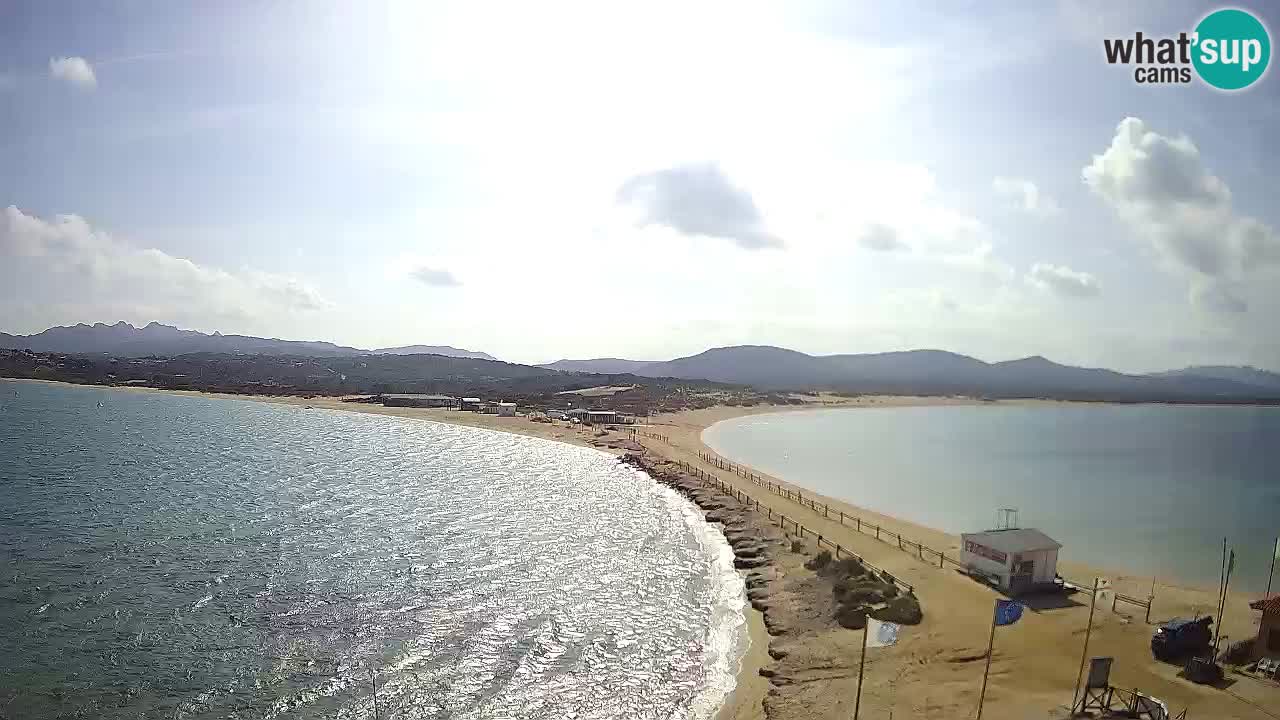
[
  {"x": 1231, "y": 565},
  {"x": 1084, "y": 654},
  {"x": 1222, "y": 578},
  {"x": 991, "y": 642},
  {"x": 1274, "y": 552},
  {"x": 857, "y": 703}
]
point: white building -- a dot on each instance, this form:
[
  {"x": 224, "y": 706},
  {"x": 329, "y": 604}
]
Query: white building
[
  {"x": 1016, "y": 560},
  {"x": 506, "y": 409}
]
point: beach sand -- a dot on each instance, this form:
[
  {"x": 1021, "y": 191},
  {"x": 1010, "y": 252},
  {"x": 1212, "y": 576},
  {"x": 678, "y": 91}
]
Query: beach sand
[{"x": 936, "y": 669}]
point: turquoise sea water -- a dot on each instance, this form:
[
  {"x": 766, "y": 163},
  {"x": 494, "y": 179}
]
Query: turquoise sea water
[
  {"x": 1151, "y": 489},
  {"x": 165, "y": 556}
]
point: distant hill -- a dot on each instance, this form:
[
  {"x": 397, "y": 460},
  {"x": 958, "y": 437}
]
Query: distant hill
[
  {"x": 941, "y": 372},
  {"x": 163, "y": 340},
  {"x": 911, "y": 372},
  {"x": 444, "y": 350},
  {"x": 607, "y": 366},
  {"x": 1249, "y": 375},
  {"x": 125, "y": 340}
]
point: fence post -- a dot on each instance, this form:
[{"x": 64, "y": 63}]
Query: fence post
[
  {"x": 859, "y": 523},
  {"x": 877, "y": 532},
  {"x": 942, "y": 557}
]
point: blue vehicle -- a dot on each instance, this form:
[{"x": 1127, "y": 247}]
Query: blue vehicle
[{"x": 1180, "y": 638}]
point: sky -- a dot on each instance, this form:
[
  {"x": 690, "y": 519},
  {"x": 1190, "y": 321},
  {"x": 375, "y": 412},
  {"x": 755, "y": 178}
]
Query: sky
[{"x": 641, "y": 180}]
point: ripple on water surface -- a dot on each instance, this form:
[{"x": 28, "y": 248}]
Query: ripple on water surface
[{"x": 166, "y": 556}]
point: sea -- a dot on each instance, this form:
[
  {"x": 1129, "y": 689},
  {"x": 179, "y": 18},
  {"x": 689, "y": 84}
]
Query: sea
[
  {"x": 1140, "y": 489},
  {"x": 171, "y": 556}
]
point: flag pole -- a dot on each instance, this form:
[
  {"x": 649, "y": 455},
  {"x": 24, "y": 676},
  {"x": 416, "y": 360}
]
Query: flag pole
[
  {"x": 1226, "y": 585},
  {"x": 1084, "y": 654},
  {"x": 991, "y": 641},
  {"x": 1275, "y": 552},
  {"x": 857, "y": 703},
  {"x": 1222, "y": 578}
]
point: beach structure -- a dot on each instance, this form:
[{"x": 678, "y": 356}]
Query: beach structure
[
  {"x": 506, "y": 409},
  {"x": 601, "y": 417},
  {"x": 1016, "y": 560},
  {"x": 469, "y": 403},
  {"x": 1267, "y": 643},
  {"x": 419, "y": 400}
]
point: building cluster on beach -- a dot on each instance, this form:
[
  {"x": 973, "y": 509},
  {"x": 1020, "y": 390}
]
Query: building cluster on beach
[{"x": 500, "y": 408}]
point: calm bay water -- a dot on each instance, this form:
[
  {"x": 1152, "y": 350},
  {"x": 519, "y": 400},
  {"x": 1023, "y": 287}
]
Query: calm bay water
[
  {"x": 180, "y": 557},
  {"x": 1149, "y": 489}
]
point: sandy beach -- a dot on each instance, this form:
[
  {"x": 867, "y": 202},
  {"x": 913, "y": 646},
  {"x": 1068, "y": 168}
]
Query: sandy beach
[{"x": 810, "y": 671}]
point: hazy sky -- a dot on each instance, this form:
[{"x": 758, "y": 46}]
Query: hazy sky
[{"x": 645, "y": 180}]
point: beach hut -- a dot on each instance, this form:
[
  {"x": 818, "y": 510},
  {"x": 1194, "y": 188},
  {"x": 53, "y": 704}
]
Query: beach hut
[
  {"x": 1016, "y": 560},
  {"x": 418, "y": 400},
  {"x": 601, "y": 417},
  {"x": 469, "y": 403},
  {"x": 1267, "y": 643},
  {"x": 506, "y": 409}
]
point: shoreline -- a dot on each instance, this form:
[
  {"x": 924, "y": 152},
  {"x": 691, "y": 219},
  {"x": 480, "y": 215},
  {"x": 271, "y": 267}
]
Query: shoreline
[
  {"x": 1091, "y": 569},
  {"x": 743, "y": 702},
  {"x": 930, "y": 672}
]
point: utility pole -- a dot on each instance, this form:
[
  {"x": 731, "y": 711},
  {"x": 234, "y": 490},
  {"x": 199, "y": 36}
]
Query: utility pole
[{"x": 1084, "y": 654}]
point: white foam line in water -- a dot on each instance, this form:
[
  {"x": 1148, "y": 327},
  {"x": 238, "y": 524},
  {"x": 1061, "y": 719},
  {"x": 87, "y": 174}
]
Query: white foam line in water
[{"x": 727, "y": 639}]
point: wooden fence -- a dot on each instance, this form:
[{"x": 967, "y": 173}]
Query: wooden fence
[
  {"x": 653, "y": 436},
  {"x": 787, "y": 523},
  {"x": 923, "y": 552}
]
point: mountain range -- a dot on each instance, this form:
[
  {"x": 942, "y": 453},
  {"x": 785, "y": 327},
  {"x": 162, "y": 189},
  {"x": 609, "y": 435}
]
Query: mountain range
[
  {"x": 155, "y": 339},
  {"x": 925, "y": 372},
  {"x": 938, "y": 372}
]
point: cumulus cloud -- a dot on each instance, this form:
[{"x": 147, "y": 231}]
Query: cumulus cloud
[
  {"x": 1024, "y": 195},
  {"x": 92, "y": 269},
  {"x": 434, "y": 277},
  {"x": 698, "y": 200},
  {"x": 1161, "y": 188},
  {"x": 75, "y": 71},
  {"x": 1063, "y": 280},
  {"x": 881, "y": 238}
]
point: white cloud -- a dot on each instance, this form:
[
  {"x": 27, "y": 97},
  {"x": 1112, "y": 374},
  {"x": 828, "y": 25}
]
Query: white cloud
[
  {"x": 73, "y": 70},
  {"x": 698, "y": 200},
  {"x": 1063, "y": 280},
  {"x": 881, "y": 238},
  {"x": 1160, "y": 187},
  {"x": 92, "y": 270},
  {"x": 434, "y": 277},
  {"x": 1024, "y": 195}
]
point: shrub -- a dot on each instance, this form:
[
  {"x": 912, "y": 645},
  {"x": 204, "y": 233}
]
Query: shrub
[
  {"x": 904, "y": 610},
  {"x": 819, "y": 561},
  {"x": 851, "y": 616}
]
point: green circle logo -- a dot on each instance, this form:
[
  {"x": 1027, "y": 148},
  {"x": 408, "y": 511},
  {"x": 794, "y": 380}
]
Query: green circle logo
[{"x": 1232, "y": 49}]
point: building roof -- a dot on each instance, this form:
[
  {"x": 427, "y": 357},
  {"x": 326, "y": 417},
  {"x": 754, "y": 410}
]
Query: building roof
[
  {"x": 417, "y": 396},
  {"x": 506, "y": 404},
  {"x": 470, "y": 399},
  {"x": 1015, "y": 540},
  {"x": 602, "y": 412},
  {"x": 1270, "y": 605}
]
